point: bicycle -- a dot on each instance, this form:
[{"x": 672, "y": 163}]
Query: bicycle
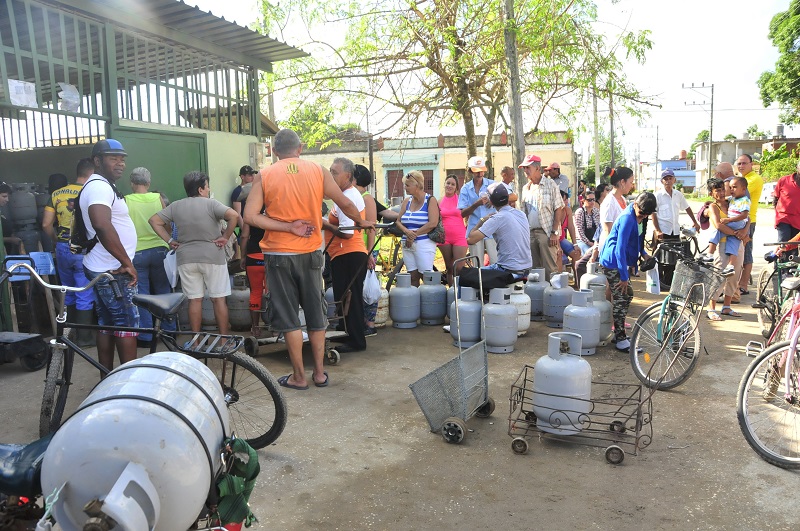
[
  {"x": 768, "y": 398},
  {"x": 665, "y": 340},
  {"x": 257, "y": 408},
  {"x": 770, "y": 297},
  {"x": 669, "y": 252}
]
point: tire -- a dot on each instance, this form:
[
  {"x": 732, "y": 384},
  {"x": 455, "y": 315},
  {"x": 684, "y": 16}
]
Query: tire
[
  {"x": 769, "y": 423},
  {"x": 765, "y": 294},
  {"x": 36, "y": 361},
  {"x": 256, "y": 405},
  {"x": 675, "y": 364},
  {"x": 56, "y": 388}
]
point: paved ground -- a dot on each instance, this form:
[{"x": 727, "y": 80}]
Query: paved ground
[{"x": 359, "y": 455}]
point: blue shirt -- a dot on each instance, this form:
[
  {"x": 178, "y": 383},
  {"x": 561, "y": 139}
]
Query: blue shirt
[
  {"x": 468, "y": 196},
  {"x": 510, "y": 226},
  {"x": 622, "y": 247}
]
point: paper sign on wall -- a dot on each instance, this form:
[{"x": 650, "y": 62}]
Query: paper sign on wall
[{"x": 23, "y": 93}]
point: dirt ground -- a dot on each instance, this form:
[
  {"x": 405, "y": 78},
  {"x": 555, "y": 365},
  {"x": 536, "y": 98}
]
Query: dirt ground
[{"x": 359, "y": 454}]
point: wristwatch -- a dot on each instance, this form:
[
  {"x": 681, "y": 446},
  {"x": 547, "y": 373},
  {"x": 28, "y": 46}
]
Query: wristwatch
[{"x": 556, "y": 232}]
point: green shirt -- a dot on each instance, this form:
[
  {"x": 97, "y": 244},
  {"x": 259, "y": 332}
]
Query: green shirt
[{"x": 141, "y": 208}]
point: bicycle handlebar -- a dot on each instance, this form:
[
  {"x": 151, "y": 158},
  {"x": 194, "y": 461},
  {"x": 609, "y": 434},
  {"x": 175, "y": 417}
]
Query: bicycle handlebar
[{"x": 57, "y": 287}]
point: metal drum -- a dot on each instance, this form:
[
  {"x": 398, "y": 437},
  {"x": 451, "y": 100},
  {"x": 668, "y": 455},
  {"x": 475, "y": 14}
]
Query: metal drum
[
  {"x": 592, "y": 276},
  {"x": 433, "y": 299},
  {"x": 466, "y": 322},
  {"x": 600, "y": 302},
  {"x": 534, "y": 289},
  {"x": 582, "y": 318},
  {"x": 500, "y": 318},
  {"x": 404, "y": 303},
  {"x": 556, "y": 298},
  {"x": 522, "y": 303}
]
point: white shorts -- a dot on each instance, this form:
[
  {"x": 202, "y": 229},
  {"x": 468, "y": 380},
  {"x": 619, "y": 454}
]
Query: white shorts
[
  {"x": 420, "y": 256},
  {"x": 197, "y": 279}
]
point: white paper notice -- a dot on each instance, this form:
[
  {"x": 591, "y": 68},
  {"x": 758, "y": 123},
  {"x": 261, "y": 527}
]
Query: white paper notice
[{"x": 22, "y": 93}]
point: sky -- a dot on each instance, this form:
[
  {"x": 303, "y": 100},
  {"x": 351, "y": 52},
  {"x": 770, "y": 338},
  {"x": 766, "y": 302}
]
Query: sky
[{"x": 695, "y": 42}]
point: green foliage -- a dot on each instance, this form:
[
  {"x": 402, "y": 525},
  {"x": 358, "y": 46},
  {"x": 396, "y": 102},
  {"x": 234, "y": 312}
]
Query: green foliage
[
  {"x": 605, "y": 155},
  {"x": 441, "y": 62},
  {"x": 754, "y": 131},
  {"x": 781, "y": 85},
  {"x": 702, "y": 137},
  {"x": 313, "y": 122},
  {"x": 780, "y": 153},
  {"x": 777, "y": 168},
  {"x": 730, "y": 137}
]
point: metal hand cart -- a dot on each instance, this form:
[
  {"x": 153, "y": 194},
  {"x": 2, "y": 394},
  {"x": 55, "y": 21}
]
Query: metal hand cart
[
  {"x": 617, "y": 417},
  {"x": 252, "y": 344},
  {"x": 451, "y": 394}
]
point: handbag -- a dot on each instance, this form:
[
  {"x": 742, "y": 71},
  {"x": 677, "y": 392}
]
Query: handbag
[
  {"x": 372, "y": 288},
  {"x": 702, "y": 217},
  {"x": 437, "y": 234}
]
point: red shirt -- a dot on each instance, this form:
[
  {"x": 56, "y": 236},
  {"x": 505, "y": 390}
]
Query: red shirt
[{"x": 788, "y": 208}]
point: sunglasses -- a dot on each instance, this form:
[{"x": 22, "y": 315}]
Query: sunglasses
[{"x": 589, "y": 199}]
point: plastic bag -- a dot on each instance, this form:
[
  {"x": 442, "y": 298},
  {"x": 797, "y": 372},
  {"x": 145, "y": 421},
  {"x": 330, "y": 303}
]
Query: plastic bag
[
  {"x": 171, "y": 267},
  {"x": 652, "y": 283},
  {"x": 372, "y": 288}
]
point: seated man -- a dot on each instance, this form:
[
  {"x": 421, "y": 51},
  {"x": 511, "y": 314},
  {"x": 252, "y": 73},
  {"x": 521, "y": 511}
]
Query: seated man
[{"x": 509, "y": 227}]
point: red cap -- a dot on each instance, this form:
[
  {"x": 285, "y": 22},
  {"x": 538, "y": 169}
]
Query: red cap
[
  {"x": 554, "y": 166},
  {"x": 530, "y": 159}
]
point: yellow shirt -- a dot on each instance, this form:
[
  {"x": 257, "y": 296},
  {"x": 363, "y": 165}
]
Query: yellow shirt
[
  {"x": 62, "y": 202},
  {"x": 754, "y": 186}
]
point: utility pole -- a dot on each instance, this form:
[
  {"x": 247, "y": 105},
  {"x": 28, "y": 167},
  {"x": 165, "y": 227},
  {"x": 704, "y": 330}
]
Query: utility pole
[
  {"x": 611, "y": 118},
  {"x": 596, "y": 140},
  {"x": 698, "y": 88},
  {"x": 514, "y": 99}
]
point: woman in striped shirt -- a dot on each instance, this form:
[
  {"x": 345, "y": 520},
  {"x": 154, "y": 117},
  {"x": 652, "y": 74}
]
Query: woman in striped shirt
[{"x": 419, "y": 214}]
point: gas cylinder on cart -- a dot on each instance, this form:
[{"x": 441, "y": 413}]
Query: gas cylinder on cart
[
  {"x": 600, "y": 302},
  {"x": 523, "y": 305},
  {"x": 404, "y": 303},
  {"x": 534, "y": 289},
  {"x": 562, "y": 386},
  {"x": 465, "y": 321},
  {"x": 500, "y": 320},
  {"x": 582, "y": 318},
  {"x": 149, "y": 455},
  {"x": 592, "y": 276},
  {"x": 239, "y": 304},
  {"x": 433, "y": 299},
  {"x": 557, "y": 297},
  {"x": 382, "y": 314}
]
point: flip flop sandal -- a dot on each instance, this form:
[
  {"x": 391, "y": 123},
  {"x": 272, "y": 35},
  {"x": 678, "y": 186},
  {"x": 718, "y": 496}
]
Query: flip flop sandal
[
  {"x": 713, "y": 315},
  {"x": 744, "y": 291},
  {"x": 731, "y": 313},
  {"x": 284, "y": 382}
]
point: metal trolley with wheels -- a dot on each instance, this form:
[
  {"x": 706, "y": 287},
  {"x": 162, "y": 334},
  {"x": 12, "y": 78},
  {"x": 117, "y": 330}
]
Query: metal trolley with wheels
[
  {"x": 617, "y": 417},
  {"x": 458, "y": 390}
]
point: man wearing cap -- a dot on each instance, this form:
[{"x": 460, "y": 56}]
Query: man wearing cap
[
  {"x": 754, "y": 186},
  {"x": 509, "y": 176},
  {"x": 246, "y": 175},
  {"x": 666, "y": 226},
  {"x": 105, "y": 214},
  {"x": 509, "y": 228},
  {"x": 554, "y": 172},
  {"x": 473, "y": 201},
  {"x": 542, "y": 203}
]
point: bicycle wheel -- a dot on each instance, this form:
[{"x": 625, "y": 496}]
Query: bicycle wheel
[
  {"x": 767, "y": 299},
  {"x": 659, "y": 360},
  {"x": 770, "y": 423},
  {"x": 256, "y": 405},
  {"x": 54, "y": 398}
]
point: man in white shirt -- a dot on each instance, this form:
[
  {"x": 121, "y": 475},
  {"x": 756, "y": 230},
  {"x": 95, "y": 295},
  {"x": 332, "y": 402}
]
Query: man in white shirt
[
  {"x": 106, "y": 217},
  {"x": 666, "y": 226}
]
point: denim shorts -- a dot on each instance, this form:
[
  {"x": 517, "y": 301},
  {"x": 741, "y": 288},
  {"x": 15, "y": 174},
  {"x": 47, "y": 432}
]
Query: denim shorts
[{"x": 113, "y": 312}]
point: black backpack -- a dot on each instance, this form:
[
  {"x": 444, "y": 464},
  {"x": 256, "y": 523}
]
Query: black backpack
[{"x": 79, "y": 241}]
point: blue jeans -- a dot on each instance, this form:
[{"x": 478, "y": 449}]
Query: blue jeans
[
  {"x": 113, "y": 312},
  {"x": 149, "y": 264},
  {"x": 70, "y": 271}
]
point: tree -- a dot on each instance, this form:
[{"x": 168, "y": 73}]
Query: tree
[
  {"x": 781, "y": 85},
  {"x": 702, "y": 137},
  {"x": 754, "y": 131},
  {"x": 441, "y": 62},
  {"x": 605, "y": 157},
  {"x": 730, "y": 137}
]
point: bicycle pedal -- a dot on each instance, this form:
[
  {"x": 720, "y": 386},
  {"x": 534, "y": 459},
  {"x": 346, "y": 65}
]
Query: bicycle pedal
[
  {"x": 758, "y": 305},
  {"x": 753, "y": 349}
]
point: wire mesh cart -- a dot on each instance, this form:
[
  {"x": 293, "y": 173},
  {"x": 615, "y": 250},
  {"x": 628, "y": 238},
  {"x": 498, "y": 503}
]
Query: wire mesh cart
[
  {"x": 458, "y": 390},
  {"x": 616, "y": 417}
]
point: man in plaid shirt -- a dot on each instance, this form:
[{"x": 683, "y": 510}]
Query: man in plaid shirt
[{"x": 542, "y": 203}]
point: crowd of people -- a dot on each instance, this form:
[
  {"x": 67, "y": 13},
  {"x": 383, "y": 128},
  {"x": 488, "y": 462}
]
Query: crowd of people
[{"x": 277, "y": 213}]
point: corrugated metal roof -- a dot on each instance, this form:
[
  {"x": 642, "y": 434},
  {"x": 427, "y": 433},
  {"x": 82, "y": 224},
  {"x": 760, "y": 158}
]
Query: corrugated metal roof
[{"x": 176, "y": 16}]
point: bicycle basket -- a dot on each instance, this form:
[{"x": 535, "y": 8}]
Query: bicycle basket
[{"x": 688, "y": 274}]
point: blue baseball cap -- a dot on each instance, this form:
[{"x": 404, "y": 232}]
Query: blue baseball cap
[
  {"x": 108, "y": 146},
  {"x": 667, "y": 173}
]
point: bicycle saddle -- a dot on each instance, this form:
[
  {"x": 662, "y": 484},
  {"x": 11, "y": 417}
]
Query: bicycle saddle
[
  {"x": 790, "y": 283},
  {"x": 21, "y": 467},
  {"x": 161, "y": 306}
]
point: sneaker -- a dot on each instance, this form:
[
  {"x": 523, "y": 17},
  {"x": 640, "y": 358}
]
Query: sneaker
[
  {"x": 370, "y": 331},
  {"x": 623, "y": 345},
  {"x": 446, "y": 328},
  {"x": 729, "y": 270},
  {"x": 705, "y": 257}
]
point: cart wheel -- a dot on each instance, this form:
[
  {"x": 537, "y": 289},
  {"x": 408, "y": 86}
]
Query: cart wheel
[
  {"x": 333, "y": 356},
  {"x": 34, "y": 362},
  {"x": 519, "y": 445},
  {"x": 615, "y": 455},
  {"x": 617, "y": 427},
  {"x": 486, "y": 409},
  {"x": 251, "y": 346},
  {"x": 454, "y": 430}
]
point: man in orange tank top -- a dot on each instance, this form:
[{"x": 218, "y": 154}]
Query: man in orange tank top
[{"x": 291, "y": 191}]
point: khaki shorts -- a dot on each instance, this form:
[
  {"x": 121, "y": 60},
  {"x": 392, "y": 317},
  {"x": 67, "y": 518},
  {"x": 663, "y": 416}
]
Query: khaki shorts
[{"x": 197, "y": 279}]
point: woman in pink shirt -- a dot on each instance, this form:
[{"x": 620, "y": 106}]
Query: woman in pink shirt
[{"x": 455, "y": 240}]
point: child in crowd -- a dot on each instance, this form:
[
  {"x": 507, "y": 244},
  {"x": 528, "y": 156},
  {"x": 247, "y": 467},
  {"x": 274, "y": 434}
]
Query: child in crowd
[{"x": 738, "y": 213}]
